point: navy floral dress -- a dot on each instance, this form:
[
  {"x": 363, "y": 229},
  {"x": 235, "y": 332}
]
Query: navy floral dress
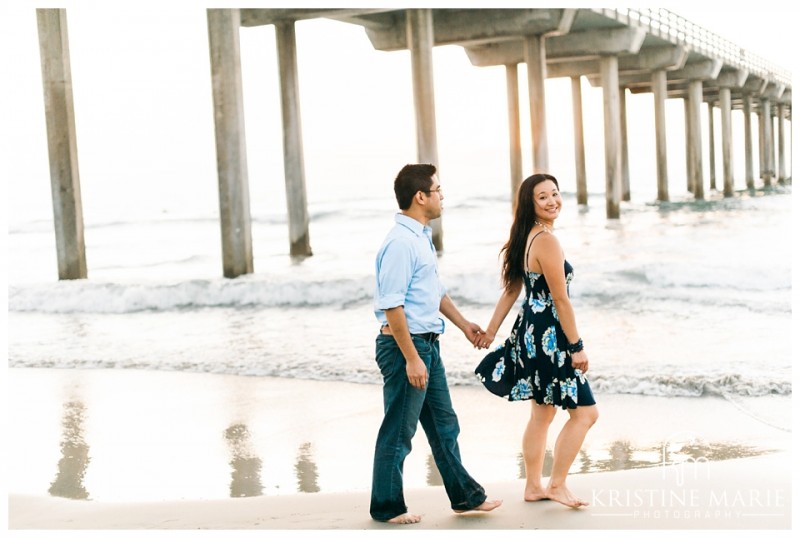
[{"x": 533, "y": 363}]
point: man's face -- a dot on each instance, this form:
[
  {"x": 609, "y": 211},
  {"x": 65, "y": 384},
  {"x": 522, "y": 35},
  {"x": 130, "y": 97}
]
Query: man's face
[{"x": 433, "y": 200}]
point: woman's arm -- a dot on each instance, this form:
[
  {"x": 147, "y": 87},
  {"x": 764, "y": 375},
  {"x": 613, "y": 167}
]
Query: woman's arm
[
  {"x": 550, "y": 258},
  {"x": 501, "y": 310}
]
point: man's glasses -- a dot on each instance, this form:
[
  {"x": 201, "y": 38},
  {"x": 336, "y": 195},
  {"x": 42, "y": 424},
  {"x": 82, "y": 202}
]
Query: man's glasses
[{"x": 437, "y": 190}]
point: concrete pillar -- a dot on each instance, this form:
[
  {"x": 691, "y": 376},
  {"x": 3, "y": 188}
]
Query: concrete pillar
[
  {"x": 762, "y": 167},
  {"x": 514, "y": 135},
  {"x": 581, "y": 190},
  {"x": 293, "y": 162},
  {"x": 623, "y": 129},
  {"x": 773, "y": 138},
  {"x": 687, "y": 118},
  {"x": 234, "y": 194},
  {"x": 727, "y": 141},
  {"x": 537, "y": 72},
  {"x": 781, "y": 145},
  {"x": 773, "y": 159},
  {"x": 62, "y": 145},
  {"x": 609, "y": 75},
  {"x": 748, "y": 143},
  {"x": 659, "y": 82},
  {"x": 419, "y": 35},
  {"x": 712, "y": 157},
  {"x": 695, "y": 137},
  {"x": 766, "y": 120}
]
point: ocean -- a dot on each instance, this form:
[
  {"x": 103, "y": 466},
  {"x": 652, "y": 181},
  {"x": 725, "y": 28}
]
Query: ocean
[{"x": 674, "y": 299}]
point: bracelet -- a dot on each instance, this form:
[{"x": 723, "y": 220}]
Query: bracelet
[{"x": 577, "y": 346}]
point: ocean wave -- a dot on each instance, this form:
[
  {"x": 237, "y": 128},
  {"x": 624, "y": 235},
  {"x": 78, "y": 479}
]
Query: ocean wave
[
  {"x": 626, "y": 290},
  {"x": 696, "y": 385},
  {"x": 117, "y": 298},
  {"x": 659, "y": 385},
  {"x": 666, "y": 385}
]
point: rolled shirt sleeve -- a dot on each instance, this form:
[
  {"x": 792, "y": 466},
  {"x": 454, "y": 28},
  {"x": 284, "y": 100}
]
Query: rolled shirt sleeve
[{"x": 394, "y": 271}]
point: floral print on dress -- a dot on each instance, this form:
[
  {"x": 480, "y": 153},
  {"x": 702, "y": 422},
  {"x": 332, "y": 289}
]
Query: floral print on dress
[
  {"x": 522, "y": 390},
  {"x": 532, "y": 363},
  {"x": 579, "y": 374},
  {"x": 539, "y": 303},
  {"x": 499, "y": 368},
  {"x": 549, "y": 342},
  {"x": 548, "y": 394},
  {"x": 530, "y": 345},
  {"x": 569, "y": 389}
]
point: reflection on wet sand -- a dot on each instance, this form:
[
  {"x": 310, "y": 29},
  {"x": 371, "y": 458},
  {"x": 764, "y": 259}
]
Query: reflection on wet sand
[
  {"x": 74, "y": 455},
  {"x": 246, "y": 465},
  {"x": 547, "y": 464},
  {"x": 622, "y": 456},
  {"x": 246, "y": 473},
  {"x": 307, "y": 475}
]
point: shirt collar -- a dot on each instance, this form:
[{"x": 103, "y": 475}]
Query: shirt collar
[{"x": 414, "y": 225}]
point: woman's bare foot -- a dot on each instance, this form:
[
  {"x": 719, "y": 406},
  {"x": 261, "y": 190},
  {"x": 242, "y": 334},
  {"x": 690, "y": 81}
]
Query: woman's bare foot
[
  {"x": 486, "y": 506},
  {"x": 405, "y": 519},
  {"x": 535, "y": 494},
  {"x": 564, "y": 496}
]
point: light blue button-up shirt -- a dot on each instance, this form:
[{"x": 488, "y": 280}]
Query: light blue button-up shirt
[{"x": 406, "y": 275}]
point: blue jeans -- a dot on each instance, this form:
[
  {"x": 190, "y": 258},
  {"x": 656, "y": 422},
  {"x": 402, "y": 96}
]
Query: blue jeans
[{"x": 403, "y": 407}]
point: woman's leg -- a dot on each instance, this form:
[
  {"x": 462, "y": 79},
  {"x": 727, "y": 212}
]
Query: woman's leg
[
  {"x": 533, "y": 449},
  {"x": 568, "y": 444}
]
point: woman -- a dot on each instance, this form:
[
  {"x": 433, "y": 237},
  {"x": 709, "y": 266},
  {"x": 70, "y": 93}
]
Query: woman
[{"x": 543, "y": 359}]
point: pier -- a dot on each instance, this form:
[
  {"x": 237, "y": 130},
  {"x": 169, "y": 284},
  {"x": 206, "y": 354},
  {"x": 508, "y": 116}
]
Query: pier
[{"x": 621, "y": 51}]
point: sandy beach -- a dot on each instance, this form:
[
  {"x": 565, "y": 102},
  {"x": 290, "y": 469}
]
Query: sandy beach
[
  {"x": 128, "y": 450},
  {"x": 750, "y": 493}
]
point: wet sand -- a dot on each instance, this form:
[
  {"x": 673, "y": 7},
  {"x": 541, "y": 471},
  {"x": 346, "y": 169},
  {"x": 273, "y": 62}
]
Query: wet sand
[
  {"x": 129, "y": 449},
  {"x": 749, "y": 493}
]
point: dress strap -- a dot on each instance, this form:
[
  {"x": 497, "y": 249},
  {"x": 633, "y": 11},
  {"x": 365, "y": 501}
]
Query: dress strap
[{"x": 528, "y": 250}]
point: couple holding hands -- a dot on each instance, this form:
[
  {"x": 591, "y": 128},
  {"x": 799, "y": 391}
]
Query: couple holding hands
[{"x": 542, "y": 359}]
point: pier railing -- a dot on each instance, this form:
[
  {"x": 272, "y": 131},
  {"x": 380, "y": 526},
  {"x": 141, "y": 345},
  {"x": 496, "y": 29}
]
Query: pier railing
[{"x": 679, "y": 31}]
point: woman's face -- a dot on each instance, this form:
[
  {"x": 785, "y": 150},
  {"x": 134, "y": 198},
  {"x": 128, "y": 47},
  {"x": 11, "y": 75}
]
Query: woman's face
[{"x": 546, "y": 200}]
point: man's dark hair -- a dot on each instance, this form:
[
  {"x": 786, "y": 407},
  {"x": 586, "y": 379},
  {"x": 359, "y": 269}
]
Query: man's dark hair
[{"x": 411, "y": 179}]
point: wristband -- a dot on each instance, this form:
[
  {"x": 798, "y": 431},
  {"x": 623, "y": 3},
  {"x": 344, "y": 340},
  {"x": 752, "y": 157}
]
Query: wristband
[{"x": 577, "y": 346}]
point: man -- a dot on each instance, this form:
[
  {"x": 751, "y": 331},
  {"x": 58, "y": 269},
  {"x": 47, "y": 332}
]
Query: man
[{"x": 408, "y": 301}]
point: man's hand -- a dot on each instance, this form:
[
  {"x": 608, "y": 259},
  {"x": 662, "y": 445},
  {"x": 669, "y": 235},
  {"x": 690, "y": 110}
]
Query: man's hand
[
  {"x": 473, "y": 332},
  {"x": 417, "y": 373}
]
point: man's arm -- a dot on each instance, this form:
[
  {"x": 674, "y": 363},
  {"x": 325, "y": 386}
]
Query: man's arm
[
  {"x": 448, "y": 308},
  {"x": 415, "y": 368}
]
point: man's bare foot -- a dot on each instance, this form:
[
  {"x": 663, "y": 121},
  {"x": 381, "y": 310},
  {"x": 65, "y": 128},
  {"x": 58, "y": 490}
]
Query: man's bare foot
[
  {"x": 405, "y": 519},
  {"x": 535, "y": 494},
  {"x": 486, "y": 506},
  {"x": 564, "y": 496}
]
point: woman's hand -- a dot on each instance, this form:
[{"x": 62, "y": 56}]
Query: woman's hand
[
  {"x": 580, "y": 361},
  {"x": 483, "y": 340}
]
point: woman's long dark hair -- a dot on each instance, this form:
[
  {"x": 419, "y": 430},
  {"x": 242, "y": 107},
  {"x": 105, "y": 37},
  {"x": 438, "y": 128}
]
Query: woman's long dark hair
[{"x": 524, "y": 215}]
